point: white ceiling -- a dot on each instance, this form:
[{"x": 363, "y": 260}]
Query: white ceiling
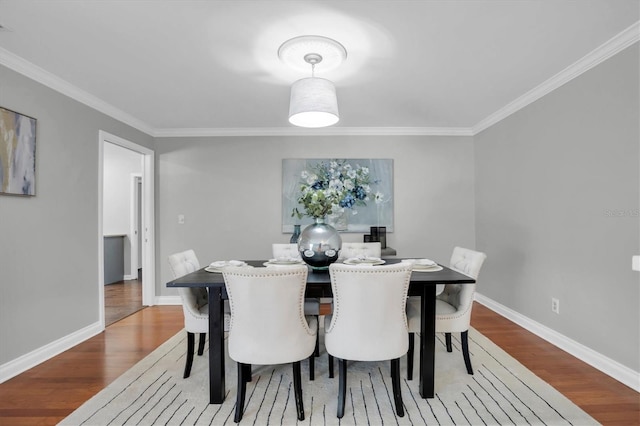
[{"x": 211, "y": 67}]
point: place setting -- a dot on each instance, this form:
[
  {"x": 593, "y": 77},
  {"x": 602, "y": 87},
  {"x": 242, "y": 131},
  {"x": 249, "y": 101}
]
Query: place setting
[
  {"x": 220, "y": 265},
  {"x": 424, "y": 265},
  {"x": 364, "y": 260},
  {"x": 284, "y": 261}
]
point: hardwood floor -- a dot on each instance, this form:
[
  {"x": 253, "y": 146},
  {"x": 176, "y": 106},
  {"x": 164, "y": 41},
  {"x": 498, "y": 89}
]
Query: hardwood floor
[
  {"x": 49, "y": 392},
  {"x": 605, "y": 399},
  {"x": 121, "y": 299}
]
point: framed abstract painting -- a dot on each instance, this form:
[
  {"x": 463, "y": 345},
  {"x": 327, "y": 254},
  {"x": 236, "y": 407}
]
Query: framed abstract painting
[{"x": 17, "y": 153}]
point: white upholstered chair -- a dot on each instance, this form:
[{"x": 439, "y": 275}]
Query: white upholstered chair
[
  {"x": 350, "y": 250},
  {"x": 290, "y": 251},
  {"x": 360, "y": 249},
  {"x": 311, "y": 304},
  {"x": 195, "y": 304},
  {"x": 369, "y": 320},
  {"x": 453, "y": 306},
  {"x": 285, "y": 251},
  {"x": 268, "y": 325}
]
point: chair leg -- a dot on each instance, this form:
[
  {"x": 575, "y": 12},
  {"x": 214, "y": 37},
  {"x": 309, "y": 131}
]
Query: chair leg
[
  {"x": 342, "y": 386},
  {"x": 316, "y": 352},
  {"x": 203, "y": 337},
  {"x": 447, "y": 339},
  {"x": 191, "y": 342},
  {"x": 397, "y": 390},
  {"x": 247, "y": 372},
  {"x": 312, "y": 363},
  {"x": 464, "y": 338},
  {"x": 297, "y": 387},
  {"x": 410, "y": 356},
  {"x": 242, "y": 388},
  {"x": 331, "y": 367}
]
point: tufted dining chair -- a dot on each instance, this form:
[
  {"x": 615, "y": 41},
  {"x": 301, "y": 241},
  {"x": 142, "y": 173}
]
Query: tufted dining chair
[
  {"x": 349, "y": 250},
  {"x": 195, "y": 304},
  {"x": 360, "y": 249},
  {"x": 311, "y": 304},
  {"x": 453, "y": 306},
  {"x": 268, "y": 325},
  {"x": 285, "y": 250},
  {"x": 353, "y": 333}
]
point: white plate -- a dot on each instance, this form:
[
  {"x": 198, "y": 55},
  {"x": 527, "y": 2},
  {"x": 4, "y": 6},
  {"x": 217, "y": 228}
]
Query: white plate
[
  {"x": 283, "y": 262},
  {"x": 423, "y": 263},
  {"x": 364, "y": 262},
  {"x": 418, "y": 266},
  {"x": 219, "y": 270},
  {"x": 429, "y": 269},
  {"x": 224, "y": 263},
  {"x": 300, "y": 262}
]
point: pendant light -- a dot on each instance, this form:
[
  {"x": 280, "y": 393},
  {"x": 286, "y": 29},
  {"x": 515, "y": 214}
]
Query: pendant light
[{"x": 313, "y": 102}]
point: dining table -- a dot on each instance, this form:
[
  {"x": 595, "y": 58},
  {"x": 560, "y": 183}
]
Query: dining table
[{"x": 422, "y": 284}]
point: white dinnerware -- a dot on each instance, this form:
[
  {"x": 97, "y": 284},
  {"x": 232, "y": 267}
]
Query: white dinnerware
[
  {"x": 220, "y": 265},
  {"x": 364, "y": 260}
]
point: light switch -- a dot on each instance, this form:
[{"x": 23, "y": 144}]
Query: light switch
[
  {"x": 181, "y": 219},
  {"x": 635, "y": 263}
]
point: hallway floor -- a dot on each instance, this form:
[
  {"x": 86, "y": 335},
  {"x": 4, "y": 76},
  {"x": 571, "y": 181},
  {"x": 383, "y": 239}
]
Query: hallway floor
[{"x": 122, "y": 299}]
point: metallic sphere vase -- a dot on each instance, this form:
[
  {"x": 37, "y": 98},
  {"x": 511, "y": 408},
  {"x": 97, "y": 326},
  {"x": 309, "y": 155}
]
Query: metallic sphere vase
[{"x": 319, "y": 244}]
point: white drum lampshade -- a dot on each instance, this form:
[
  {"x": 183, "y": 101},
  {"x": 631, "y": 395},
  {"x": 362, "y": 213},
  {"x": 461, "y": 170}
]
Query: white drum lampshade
[{"x": 313, "y": 103}]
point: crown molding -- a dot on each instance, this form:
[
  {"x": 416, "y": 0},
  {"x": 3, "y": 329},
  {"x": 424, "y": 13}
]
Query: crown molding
[
  {"x": 54, "y": 82},
  {"x": 327, "y": 131},
  {"x": 618, "y": 43}
]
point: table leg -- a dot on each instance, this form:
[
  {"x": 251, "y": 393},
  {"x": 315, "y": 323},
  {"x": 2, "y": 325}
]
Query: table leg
[
  {"x": 216, "y": 346},
  {"x": 427, "y": 341}
]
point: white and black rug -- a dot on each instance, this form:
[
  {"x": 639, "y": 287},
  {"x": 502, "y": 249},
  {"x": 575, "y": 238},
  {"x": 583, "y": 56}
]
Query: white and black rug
[{"x": 501, "y": 392}]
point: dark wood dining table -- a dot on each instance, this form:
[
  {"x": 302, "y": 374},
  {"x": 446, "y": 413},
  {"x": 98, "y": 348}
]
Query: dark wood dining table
[{"x": 422, "y": 284}]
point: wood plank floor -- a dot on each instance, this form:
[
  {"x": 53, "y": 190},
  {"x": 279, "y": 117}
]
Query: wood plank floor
[
  {"x": 122, "y": 299},
  {"x": 49, "y": 392}
]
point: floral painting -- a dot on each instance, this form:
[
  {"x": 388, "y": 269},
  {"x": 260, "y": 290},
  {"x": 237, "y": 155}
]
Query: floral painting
[
  {"x": 351, "y": 194},
  {"x": 17, "y": 153}
]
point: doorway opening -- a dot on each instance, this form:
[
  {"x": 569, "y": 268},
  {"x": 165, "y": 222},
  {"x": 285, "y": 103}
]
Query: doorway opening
[{"x": 119, "y": 297}]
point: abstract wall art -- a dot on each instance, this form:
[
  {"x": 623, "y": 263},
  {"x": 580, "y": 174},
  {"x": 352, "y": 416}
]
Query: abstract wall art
[{"x": 17, "y": 153}]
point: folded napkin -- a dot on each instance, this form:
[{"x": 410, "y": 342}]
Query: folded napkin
[
  {"x": 283, "y": 259},
  {"x": 225, "y": 263},
  {"x": 364, "y": 259},
  {"x": 422, "y": 263}
]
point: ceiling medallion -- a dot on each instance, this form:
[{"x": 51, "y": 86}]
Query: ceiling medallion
[{"x": 293, "y": 51}]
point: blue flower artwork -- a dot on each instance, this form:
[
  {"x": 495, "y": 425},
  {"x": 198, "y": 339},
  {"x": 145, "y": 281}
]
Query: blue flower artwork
[{"x": 351, "y": 194}]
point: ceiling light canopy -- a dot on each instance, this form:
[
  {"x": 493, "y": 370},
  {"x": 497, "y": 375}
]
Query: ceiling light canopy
[
  {"x": 292, "y": 52},
  {"x": 313, "y": 101}
]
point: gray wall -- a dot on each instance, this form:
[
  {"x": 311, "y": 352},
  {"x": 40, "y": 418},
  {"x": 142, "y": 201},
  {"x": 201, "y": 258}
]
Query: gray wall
[
  {"x": 557, "y": 199},
  {"x": 49, "y": 243},
  {"x": 230, "y": 189},
  {"x": 552, "y": 185}
]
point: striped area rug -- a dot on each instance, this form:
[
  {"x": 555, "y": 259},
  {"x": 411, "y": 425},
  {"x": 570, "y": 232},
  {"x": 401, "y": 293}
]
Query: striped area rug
[{"x": 501, "y": 392}]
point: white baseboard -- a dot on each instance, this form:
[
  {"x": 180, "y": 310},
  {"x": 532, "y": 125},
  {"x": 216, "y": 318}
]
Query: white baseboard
[
  {"x": 168, "y": 300},
  {"x": 43, "y": 353},
  {"x": 608, "y": 366}
]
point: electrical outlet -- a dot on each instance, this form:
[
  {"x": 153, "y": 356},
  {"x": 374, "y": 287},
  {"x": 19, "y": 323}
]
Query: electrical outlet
[
  {"x": 181, "y": 219},
  {"x": 555, "y": 305}
]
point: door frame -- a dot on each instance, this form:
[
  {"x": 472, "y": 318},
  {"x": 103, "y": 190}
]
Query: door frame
[
  {"x": 135, "y": 227},
  {"x": 148, "y": 219}
]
